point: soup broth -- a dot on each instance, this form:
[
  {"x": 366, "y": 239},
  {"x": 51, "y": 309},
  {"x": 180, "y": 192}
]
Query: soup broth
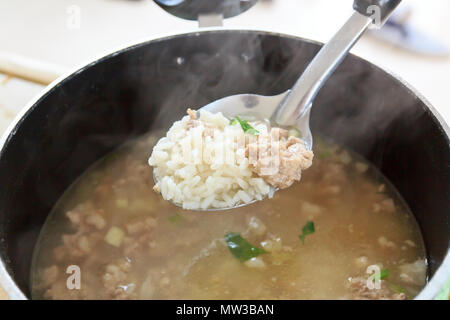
[{"x": 123, "y": 241}]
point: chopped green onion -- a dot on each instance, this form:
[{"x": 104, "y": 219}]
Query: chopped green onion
[
  {"x": 384, "y": 273},
  {"x": 241, "y": 248},
  {"x": 253, "y": 132},
  {"x": 245, "y": 126},
  {"x": 308, "y": 229}
]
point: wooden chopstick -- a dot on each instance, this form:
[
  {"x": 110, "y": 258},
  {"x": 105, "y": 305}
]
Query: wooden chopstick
[{"x": 29, "y": 69}]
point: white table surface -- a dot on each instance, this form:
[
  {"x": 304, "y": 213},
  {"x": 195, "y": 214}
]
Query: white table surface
[{"x": 38, "y": 29}]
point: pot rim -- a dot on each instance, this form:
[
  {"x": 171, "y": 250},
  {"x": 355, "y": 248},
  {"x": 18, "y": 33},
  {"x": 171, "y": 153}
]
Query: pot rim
[{"x": 7, "y": 282}]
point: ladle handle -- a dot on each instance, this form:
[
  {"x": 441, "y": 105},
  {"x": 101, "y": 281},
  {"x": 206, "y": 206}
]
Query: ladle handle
[{"x": 299, "y": 99}]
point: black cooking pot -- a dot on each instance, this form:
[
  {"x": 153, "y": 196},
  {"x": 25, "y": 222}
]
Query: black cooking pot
[{"x": 149, "y": 85}]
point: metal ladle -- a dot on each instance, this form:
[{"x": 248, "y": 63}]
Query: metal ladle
[{"x": 292, "y": 108}]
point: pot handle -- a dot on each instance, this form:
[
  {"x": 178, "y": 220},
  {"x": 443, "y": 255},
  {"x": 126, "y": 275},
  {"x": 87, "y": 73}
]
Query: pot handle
[{"x": 379, "y": 10}]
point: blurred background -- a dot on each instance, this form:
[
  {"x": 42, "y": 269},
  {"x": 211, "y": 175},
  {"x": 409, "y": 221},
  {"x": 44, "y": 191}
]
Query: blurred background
[{"x": 57, "y": 35}]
